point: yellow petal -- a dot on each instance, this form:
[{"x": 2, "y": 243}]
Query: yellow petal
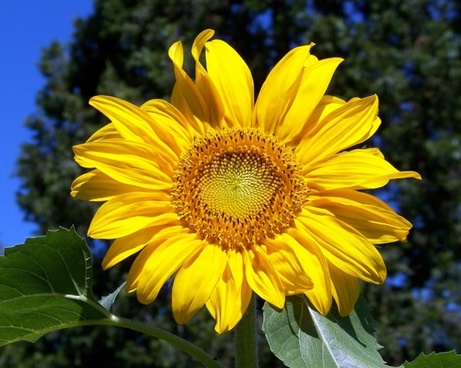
[
  {"x": 132, "y": 123},
  {"x": 127, "y": 162},
  {"x": 196, "y": 280},
  {"x": 124, "y": 247},
  {"x": 345, "y": 289},
  {"x": 127, "y": 213},
  {"x": 344, "y": 127},
  {"x": 288, "y": 265},
  {"x": 263, "y": 278},
  {"x": 343, "y": 245},
  {"x": 185, "y": 96},
  {"x": 228, "y": 303},
  {"x": 358, "y": 169},
  {"x": 325, "y": 106},
  {"x": 157, "y": 262},
  {"x": 204, "y": 83},
  {"x": 233, "y": 81},
  {"x": 312, "y": 86},
  {"x": 96, "y": 186},
  {"x": 279, "y": 89},
  {"x": 230, "y": 299},
  {"x": 315, "y": 265},
  {"x": 169, "y": 118},
  {"x": 108, "y": 131},
  {"x": 168, "y": 123},
  {"x": 373, "y": 218}
]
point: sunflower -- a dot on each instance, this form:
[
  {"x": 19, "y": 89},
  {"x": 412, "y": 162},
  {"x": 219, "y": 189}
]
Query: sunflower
[{"x": 231, "y": 197}]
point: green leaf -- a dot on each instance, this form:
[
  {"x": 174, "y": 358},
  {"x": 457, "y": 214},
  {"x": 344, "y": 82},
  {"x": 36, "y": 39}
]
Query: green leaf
[
  {"x": 108, "y": 301},
  {"x": 302, "y": 337},
  {"x": 433, "y": 360},
  {"x": 45, "y": 285}
]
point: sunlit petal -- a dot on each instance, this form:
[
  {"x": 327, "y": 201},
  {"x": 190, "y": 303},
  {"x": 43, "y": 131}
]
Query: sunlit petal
[
  {"x": 344, "y": 246},
  {"x": 316, "y": 265},
  {"x": 204, "y": 82},
  {"x": 97, "y": 186},
  {"x": 128, "y": 245},
  {"x": 342, "y": 128},
  {"x": 196, "y": 280},
  {"x": 157, "y": 262},
  {"x": 345, "y": 289},
  {"x": 279, "y": 89},
  {"x": 289, "y": 262},
  {"x": 127, "y": 213},
  {"x": 312, "y": 85},
  {"x": 233, "y": 80},
  {"x": 186, "y": 96},
  {"x": 127, "y": 162},
  {"x": 357, "y": 169},
  {"x": 231, "y": 296},
  {"x": 365, "y": 213},
  {"x": 263, "y": 278}
]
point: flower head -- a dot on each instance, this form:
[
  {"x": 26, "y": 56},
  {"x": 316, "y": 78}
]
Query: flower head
[{"x": 232, "y": 197}]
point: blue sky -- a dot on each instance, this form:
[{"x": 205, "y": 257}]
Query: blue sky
[{"x": 26, "y": 26}]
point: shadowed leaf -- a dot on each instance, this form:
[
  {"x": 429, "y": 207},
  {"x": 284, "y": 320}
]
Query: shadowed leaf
[
  {"x": 301, "y": 337},
  {"x": 45, "y": 285}
]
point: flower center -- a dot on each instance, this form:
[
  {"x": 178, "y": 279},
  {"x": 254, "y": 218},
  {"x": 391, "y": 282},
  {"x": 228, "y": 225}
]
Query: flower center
[{"x": 237, "y": 187}]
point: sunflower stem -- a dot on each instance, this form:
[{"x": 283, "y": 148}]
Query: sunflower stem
[
  {"x": 189, "y": 348},
  {"x": 246, "y": 349}
]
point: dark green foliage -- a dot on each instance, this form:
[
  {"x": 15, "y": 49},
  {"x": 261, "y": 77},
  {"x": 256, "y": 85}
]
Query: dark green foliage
[
  {"x": 408, "y": 52},
  {"x": 301, "y": 337},
  {"x": 433, "y": 360}
]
